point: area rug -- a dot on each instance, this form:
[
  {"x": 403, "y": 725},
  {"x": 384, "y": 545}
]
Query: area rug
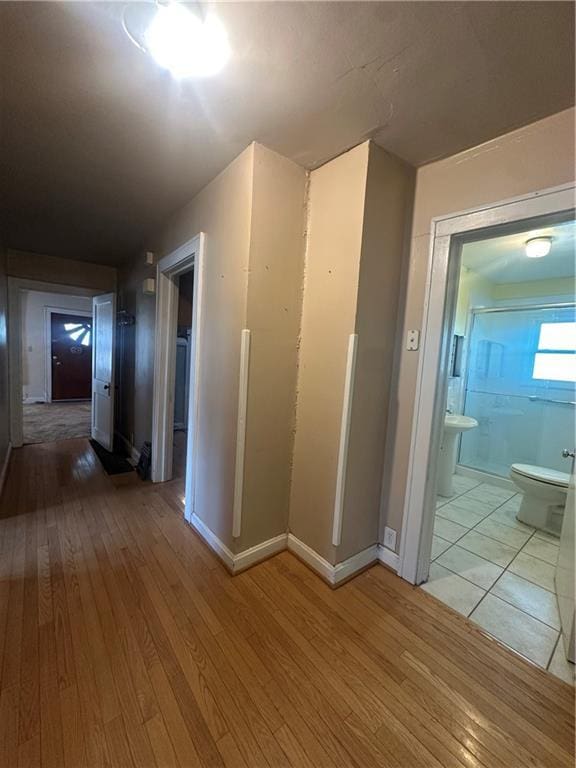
[{"x": 45, "y": 422}]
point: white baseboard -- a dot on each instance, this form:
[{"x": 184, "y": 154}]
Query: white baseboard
[
  {"x": 4, "y": 471},
  {"x": 33, "y": 400},
  {"x": 259, "y": 552},
  {"x": 388, "y": 557},
  {"x": 132, "y": 452},
  {"x": 333, "y": 574},
  {"x": 243, "y": 560}
]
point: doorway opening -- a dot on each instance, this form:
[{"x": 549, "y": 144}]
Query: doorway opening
[
  {"x": 56, "y": 365},
  {"x": 182, "y": 340},
  {"x": 493, "y": 533},
  {"x": 179, "y": 296}
]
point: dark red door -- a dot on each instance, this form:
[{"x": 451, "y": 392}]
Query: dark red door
[{"x": 71, "y": 357}]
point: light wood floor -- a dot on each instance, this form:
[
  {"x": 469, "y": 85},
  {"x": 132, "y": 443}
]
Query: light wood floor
[{"x": 124, "y": 642}]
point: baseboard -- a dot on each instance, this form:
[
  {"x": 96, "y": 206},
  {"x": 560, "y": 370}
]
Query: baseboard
[
  {"x": 132, "y": 452},
  {"x": 243, "y": 560},
  {"x": 217, "y": 546},
  {"x": 4, "y": 471},
  {"x": 484, "y": 477},
  {"x": 259, "y": 552},
  {"x": 333, "y": 574},
  {"x": 34, "y": 400},
  {"x": 388, "y": 558}
]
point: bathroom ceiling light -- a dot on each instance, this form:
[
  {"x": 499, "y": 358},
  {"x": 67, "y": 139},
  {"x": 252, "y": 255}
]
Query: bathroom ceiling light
[
  {"x": 537, "y": 247},
  {"x": 180, "y": 41}
]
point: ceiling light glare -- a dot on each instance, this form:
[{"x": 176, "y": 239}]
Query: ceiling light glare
[
  {"x": 185, "y": 45},
  {"x": 537, "y": 247}
]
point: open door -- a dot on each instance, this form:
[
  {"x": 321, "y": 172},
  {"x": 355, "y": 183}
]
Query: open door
[
  {"x": 104, "y": 320},
  {"x": 565, "y": 568}
]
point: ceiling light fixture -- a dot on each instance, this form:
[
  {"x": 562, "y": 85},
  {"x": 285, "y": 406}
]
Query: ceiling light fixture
[
  {"x": 537, "y": 247},
  {"x": 180, "y": 41}
]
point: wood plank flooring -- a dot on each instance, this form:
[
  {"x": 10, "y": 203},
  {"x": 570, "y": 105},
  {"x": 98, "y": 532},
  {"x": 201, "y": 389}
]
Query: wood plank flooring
[{"x": 124, "y": 642}]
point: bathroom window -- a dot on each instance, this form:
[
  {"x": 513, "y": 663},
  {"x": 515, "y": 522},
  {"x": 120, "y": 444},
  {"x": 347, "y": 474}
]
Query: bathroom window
[{"x": 555, "y": 358}]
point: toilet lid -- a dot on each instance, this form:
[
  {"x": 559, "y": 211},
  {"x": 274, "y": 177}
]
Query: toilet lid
[{"x": 543, "y": 474}]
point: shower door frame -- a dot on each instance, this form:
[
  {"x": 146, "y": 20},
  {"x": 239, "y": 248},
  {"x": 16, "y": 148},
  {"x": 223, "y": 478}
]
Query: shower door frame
[{"x": 448, "y": 234}]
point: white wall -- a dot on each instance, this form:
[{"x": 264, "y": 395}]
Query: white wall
[{"x": 34, "y": 343}]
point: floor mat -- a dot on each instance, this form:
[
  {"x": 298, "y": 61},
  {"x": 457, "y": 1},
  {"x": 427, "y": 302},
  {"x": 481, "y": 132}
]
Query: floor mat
[
  {"x": 113, "y": 463},
  {"x": 45, "y": 422}
]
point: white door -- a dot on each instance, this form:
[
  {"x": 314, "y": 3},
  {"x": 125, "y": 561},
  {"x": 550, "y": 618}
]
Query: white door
[
  {"x": 565, "y": 567},
  {"x": 104, "y": 325}
]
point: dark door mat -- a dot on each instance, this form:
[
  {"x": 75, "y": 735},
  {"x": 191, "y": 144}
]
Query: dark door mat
[{"x": 112, "y": 462}]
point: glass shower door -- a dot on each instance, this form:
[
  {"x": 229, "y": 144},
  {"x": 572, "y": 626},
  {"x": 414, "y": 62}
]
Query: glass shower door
[{"x": 521, "y": 372}]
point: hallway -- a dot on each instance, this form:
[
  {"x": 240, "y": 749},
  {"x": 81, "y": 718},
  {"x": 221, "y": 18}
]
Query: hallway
[{"x": 123, "y": 642}]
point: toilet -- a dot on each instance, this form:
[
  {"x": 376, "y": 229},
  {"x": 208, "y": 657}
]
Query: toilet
[{"x": 544, "y": 496}]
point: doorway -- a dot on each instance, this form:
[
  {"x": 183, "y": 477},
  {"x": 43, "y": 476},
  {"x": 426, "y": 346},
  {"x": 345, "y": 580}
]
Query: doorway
[
  {"x": 179, "y": 284},
  {"x": 499, "y": 350},
  {"x": 55, "y": 362}
]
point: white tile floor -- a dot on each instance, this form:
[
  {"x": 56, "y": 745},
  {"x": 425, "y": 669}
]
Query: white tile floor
[{"x": 498, "y": 571}]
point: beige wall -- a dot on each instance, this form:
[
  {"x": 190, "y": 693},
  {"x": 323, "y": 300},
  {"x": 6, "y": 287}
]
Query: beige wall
[
  {"x": 538, "y": 156},
  {"x": 4, "y": 393},
  {"x": 274, "y": 306},
  {"x": 387, "y": 218},
  {"x": 252, "y": 214},
  {"x": 52, "y": 269},
  {"x": 332, "y": 266},
  {"x": 359, "y": 208}
]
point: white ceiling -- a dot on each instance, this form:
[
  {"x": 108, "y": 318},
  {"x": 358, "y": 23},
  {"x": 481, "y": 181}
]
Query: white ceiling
[
  {"x": 99, "y": 146},
  {"x": 503, "y": 259}
]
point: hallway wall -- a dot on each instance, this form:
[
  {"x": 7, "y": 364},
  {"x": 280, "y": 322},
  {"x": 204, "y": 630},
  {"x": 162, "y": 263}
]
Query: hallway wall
[
  {"x": 53, "y": 269},
  {"x": 536, "y": 157}
]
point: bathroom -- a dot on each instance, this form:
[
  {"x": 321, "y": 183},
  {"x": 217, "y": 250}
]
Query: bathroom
[{"x": 502, "y": 478}]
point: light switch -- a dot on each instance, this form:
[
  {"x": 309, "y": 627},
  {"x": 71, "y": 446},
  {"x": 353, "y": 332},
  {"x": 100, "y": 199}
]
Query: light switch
[{"x": 413, "y": 340}]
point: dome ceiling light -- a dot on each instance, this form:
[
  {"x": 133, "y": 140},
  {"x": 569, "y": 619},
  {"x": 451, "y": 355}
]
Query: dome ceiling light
[
  {"x": 180, "y": 41},
  {"x": 537, "y": 247}
]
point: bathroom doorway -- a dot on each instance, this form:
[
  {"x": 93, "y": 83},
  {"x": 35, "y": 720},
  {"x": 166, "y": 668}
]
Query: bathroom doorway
[{"x": 501, "y": 344}]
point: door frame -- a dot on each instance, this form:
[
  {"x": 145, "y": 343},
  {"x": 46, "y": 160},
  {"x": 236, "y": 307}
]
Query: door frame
[
  {"x": 448, "y": 233},
  {"x": 48, "y": 312},
  {"x": 14, "y": 339},
  {"x": 190, "y": 255}
]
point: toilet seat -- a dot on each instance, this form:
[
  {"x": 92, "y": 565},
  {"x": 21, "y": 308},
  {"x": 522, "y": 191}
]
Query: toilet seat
[{"x": 542, "y": 474}]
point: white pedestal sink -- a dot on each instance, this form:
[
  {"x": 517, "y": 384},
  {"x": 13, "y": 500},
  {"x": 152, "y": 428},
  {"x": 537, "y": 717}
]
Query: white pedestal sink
[{"x": 454, "y": 424}]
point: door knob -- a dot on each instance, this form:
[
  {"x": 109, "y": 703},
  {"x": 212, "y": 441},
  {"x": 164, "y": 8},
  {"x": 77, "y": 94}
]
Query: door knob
[
  {"x": 568, "y": 454},
  {"x": 106, "y": 386}
]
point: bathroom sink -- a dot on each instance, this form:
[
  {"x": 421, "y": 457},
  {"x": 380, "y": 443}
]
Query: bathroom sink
[{"x": 455, "y": 422}]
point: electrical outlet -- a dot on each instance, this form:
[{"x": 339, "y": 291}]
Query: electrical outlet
[
  {"x": 413, "y": 340},
  {"x": 390, "y": 538}
]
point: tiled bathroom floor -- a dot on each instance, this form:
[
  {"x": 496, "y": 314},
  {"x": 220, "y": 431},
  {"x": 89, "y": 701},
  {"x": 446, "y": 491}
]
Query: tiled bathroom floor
[{"x": 498, "y": 571}]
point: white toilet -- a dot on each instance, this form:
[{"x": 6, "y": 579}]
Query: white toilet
[{"x": 544, "y": 496}]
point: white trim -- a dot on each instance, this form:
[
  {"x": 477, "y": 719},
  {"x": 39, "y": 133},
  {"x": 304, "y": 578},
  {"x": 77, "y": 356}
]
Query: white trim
[
  {"x": 241, "y": 432},
  {"x": 333, "y": 574},
  {"x": 193, "y": 414},
  {"x": 388, "y": 557},
  {"x": 213, "y": 541},
  {"x": 4, "y": 472},
  {"x": 439, "y": 306},
  {"x": 33, "y": 400},
  {"x": 484, "y": 477},
  {"x": 259, "y": 552},
  {"x": 243, "y": 560},
  {"x": 183, "y": 259},
  {"x": 48, "y": 312},
  {"x": 15, "y": 286},
  {"x": 344, "y": 439}
]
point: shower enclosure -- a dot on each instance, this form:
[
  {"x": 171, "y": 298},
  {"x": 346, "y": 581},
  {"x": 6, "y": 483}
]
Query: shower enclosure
[{"x": 520, "y": 387}]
